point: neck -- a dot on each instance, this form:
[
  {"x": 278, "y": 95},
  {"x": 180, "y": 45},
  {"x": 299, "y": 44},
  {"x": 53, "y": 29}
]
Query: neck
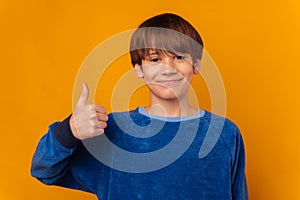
[{"x": 170, "y": 108}]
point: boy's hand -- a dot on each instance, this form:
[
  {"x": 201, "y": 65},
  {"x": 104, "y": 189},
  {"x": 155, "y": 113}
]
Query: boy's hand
[{"x": 88, "y": 120}]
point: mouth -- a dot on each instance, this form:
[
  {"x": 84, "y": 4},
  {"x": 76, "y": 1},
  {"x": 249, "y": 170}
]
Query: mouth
[{"x": 169, "y": 82}]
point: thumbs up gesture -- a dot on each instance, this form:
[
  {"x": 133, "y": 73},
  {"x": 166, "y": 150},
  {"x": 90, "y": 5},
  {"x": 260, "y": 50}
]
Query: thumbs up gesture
[{"x": 88, "y": 120}]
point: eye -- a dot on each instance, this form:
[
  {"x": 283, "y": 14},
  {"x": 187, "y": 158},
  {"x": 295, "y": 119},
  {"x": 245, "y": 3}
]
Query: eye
[
  {"x": 179, "y": 57},
  {"x": 154, "y": 59}
]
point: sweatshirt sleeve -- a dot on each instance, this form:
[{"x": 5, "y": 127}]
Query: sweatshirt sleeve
[
  {"x": 64, "y": 135},
  {"x": 239, "y": 183},
  {"x": 52, "y": 158}
]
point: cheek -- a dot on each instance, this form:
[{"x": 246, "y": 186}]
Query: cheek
[
  {"x": 187, "y": 74},
  {"x": 150, "y": 74}
]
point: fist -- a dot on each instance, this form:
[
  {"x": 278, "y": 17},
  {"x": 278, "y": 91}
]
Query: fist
[{"x": 88, "y": 120}]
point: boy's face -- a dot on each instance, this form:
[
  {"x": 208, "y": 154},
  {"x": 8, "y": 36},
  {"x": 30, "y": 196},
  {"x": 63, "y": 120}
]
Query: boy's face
[{"x": 167, "y": 75}]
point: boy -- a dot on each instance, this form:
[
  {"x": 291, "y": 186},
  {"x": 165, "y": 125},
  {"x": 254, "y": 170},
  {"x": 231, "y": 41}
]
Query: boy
[{"x": 165, "y": 51}]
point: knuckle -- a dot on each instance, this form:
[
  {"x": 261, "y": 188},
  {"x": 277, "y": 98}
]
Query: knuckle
[
  {"x": 91, "y": 107},
  {"x": 94, "y": 123},
  {"x": 101, "y": 109},
  {"x": 102, "y": 117},
  {"x": 104, "y": 124},
  {"x": 92, "y": 114}
]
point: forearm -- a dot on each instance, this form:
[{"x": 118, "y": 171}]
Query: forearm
[{"x": 52, "y": 156}]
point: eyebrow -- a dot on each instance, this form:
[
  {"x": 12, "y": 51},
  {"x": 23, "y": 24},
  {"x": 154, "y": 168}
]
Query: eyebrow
[
  {"x": 149, "y": 55},
  {"x": 156, "y": 53},
  {"x": 153, "y": 53}
]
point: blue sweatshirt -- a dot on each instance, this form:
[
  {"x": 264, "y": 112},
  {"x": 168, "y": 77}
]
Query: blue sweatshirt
[{"x": 145, "y": 157}]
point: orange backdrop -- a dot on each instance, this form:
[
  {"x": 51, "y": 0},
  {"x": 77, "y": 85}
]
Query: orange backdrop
[{"x": 255, "y": 44}]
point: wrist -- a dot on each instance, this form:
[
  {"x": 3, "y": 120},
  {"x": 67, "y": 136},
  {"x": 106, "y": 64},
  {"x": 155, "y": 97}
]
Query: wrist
[
  {"x": 73, "y": 127},
  {"x": 64, "y": 134}
]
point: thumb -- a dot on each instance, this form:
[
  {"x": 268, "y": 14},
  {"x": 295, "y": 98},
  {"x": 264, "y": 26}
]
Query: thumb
[{"x": 84, "y": 95}]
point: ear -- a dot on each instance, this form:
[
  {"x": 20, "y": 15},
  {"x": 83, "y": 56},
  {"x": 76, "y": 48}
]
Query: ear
[
  {"x": 197, "y": 67},
  {"x": 138, "y": 71}
]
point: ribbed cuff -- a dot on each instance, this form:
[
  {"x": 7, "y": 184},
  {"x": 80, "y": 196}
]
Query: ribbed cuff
[{"x": 64, "y": 135}]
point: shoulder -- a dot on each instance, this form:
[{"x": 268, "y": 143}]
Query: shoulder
[
  {"x": 125, "y": 122},
  {"x": 222, "y": 131},
  {"x": 127, "y": 118},
  {"x": 121, "y": 114},
  {"x": 217, "y": 122}
]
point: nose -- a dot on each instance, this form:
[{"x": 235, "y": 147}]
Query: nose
[{"x": 169, "y": 66}]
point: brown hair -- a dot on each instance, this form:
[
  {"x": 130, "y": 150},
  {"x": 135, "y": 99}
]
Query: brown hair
[{"x": 165, "y": 32}]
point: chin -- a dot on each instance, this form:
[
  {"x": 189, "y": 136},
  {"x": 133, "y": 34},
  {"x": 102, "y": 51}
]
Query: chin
[{"x": 167, "y": 93}]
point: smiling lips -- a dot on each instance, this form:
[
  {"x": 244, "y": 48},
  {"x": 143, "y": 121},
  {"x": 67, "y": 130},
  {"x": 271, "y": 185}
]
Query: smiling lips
[{"x": 173, "y": 81}]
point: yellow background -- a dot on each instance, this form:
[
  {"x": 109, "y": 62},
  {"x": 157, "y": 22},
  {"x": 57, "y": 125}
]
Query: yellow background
[{"x": 255, "y": 44}]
